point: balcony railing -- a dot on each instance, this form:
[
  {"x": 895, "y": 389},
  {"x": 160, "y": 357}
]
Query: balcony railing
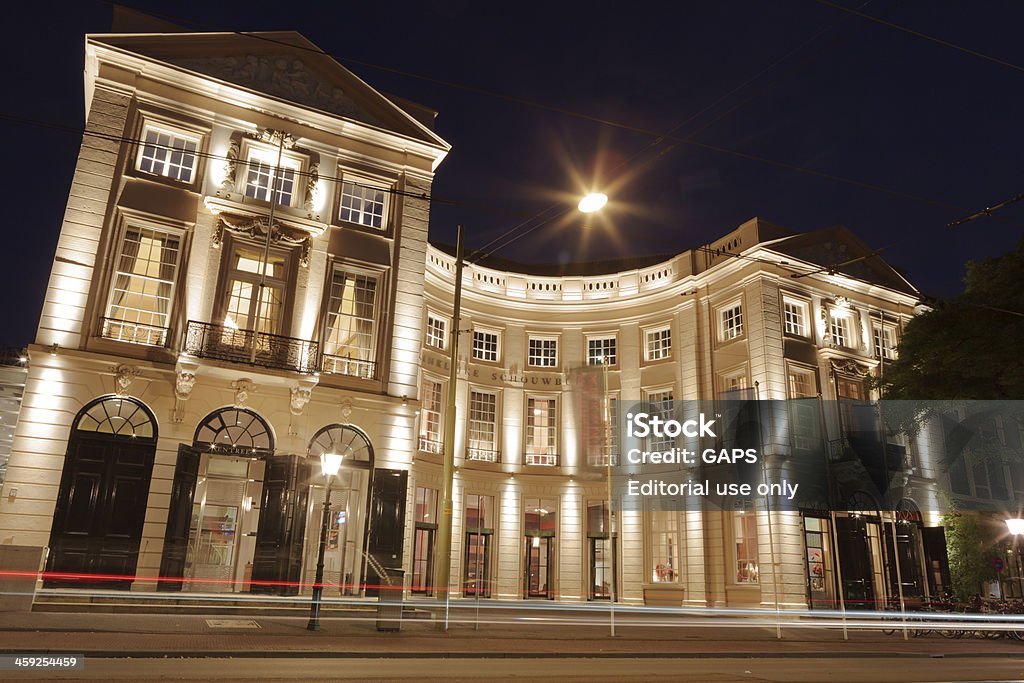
[
  {"x": 133, "y": 332},
  {"x": 220, "y": 342},
  {"x": 431, "y": 446},
  {"x": 483, "y": 455},
  {"x": 544, "y": 459},
  {"x": 351, "y": 367}
]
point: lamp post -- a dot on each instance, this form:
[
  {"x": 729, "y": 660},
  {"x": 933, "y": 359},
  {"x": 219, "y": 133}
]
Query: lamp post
[
  {"x": 330, "y": 463},
  {"x": 442, "y": 576}
]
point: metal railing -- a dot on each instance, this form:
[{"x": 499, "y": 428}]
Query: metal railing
[
  {"x": 133, "y": 332},
  {"x": 220, "y": 342},
  {"x": 346, "y": 365},
  {"x": 543, "y": 459},
  {"x": 430, "y": 446},
  {"x": 483, "y": 455}
]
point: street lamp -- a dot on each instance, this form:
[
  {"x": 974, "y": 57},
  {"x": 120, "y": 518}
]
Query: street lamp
[
  {"x": 442, "y": 576},
  {"x": 592, "y": 202},
  {"x": 330, "y": 463},
  {"x": 1015, "y": 526}
]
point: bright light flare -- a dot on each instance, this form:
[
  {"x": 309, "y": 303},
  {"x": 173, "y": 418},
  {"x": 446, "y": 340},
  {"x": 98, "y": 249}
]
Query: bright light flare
[
  {"x": 330, "y": 463},
  {"x": 1015, "y": 525},
  {"x": 592, "y": 202}
]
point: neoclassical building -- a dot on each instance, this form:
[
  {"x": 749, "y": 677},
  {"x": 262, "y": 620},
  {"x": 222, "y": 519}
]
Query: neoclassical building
[{"x": 243, "y": 282}]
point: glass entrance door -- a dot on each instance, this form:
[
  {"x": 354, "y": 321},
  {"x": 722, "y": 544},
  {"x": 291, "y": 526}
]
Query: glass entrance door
[
  {"x": 602, "y": 568},
  {"x": 423, "y": 559},
  {"x": 538, "y": 568},
  {"x": 476, "y": 572},
  {"x": 224, "y": 523}
]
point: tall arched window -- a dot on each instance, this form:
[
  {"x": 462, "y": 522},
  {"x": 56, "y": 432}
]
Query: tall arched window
[
  {"x": 104, "y": 488},
  {"x": 235, "y": 428}
]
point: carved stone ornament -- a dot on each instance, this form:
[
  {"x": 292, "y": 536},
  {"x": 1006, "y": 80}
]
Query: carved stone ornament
[
  {"x": 255, "y": 228},
  {"x": 300, "y": 396},
  {"x": 124, "y": 375},
  {"x": 346, "y": 408},
  {"x": 312, "y": 190},
  {"x": 847, "y": 366},
  {"x": 283, "y": 76},
  {"x": 184, "y": 381},
  {"x": 229, "y": 185},
  {"x": 243, "y": 388}
]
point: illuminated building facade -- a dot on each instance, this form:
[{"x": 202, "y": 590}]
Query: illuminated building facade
[{"x": 243, "y": 282}]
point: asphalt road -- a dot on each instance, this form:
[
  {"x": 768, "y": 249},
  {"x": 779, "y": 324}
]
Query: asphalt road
[{"x": 791, "y": 669}]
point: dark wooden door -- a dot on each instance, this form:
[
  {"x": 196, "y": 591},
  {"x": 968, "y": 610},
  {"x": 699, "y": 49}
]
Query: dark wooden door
[
  {"x": 385, "y": 537},
  {"x": 179, "y": 519},
  {"x": 101, "y": 507},
  {"x": 279, "y": 537}
]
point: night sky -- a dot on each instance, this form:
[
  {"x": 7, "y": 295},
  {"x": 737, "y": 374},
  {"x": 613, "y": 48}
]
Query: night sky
[{"x": 797, "y": 83}]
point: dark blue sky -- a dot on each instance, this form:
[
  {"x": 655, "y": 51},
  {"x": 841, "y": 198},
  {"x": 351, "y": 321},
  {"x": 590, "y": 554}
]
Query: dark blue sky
[{"x": 938, "y": 128}]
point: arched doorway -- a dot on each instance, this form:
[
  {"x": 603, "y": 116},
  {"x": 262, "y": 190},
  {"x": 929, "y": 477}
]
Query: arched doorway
[
  {"x": 343, "y": 557},
  {"x": 859, "y": 545},
  {"x": 214, "y": 520},
  {"x": 101, "y": 504}
]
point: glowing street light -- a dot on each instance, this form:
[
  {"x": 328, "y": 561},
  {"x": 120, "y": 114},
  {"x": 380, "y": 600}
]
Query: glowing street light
[
  {"x": 1015, "y": 526},
  {"x": 592, "y": 202},
  {"x": 330, "y": 463}
]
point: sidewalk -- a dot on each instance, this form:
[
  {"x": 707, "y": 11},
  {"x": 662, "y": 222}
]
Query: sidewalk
[{"x": 120, "y": 635}]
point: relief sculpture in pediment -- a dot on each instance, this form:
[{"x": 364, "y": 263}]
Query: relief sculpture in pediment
[{"x": 282, "y": 76}]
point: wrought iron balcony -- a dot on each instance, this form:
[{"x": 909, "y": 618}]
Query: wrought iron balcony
[
  {"x": 133, "y": 332},
  {"x": 220, "y": 342},
  {"x": 483, "y": 455},
  {"x": 346, "y": 365}
]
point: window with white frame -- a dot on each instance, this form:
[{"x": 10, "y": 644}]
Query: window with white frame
[
  {"x": 662, "y": 405},
  {"x": 602, "y": 351},
  {"x": 350, "y": 343},
  {"x": 732, "y": 384},
  {"x": 885, "y": 341},
  {"x": 541, "y": 431},
  {"x": 437, "y": 331},
  {"x": 730, "y": 322},
  {"x": 840, "y": 329},
  {"x": 795, "y": 317},
  {"x": 168, "y": 153},
  {"x": 542, "y": 352},
  {"x": 431, "y": 414},
  {"x": 142, "y": 290},
  {"x": 804, "y": 415},
  {"x": 482, "y": 439},
  {"x": 658, "y": 343},
  {"x": 745, "y": 539},
  {"x": 261, "y": 164},
  {"x": 664, "y": 536},
  {"x": 486, "y": 345},
  {"x": 363, "y": 202}
]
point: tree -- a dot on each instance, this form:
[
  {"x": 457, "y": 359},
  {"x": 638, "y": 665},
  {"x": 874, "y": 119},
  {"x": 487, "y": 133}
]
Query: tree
[
  {"x": 968, "y": 347},
  {"x": 970, "y": 555}
]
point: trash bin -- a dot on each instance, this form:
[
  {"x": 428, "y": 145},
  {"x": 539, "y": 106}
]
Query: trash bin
[{"x": 389, "y": 601}]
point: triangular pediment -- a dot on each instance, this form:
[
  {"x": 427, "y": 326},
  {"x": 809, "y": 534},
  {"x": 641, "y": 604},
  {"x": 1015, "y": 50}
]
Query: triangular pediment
[
  {"x": 282, "y": 65},
  {"x": 838, "y": 249}
]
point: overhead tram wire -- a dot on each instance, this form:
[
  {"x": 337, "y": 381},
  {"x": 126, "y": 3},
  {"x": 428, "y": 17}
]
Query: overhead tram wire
[
  {"x": 986, "y": 212},
  {"x": 432, "y": 198},
  {"x": 585, "y": 117},
  {"x": 659, "y": 140},
  {"x": 924, "y": 36}
]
